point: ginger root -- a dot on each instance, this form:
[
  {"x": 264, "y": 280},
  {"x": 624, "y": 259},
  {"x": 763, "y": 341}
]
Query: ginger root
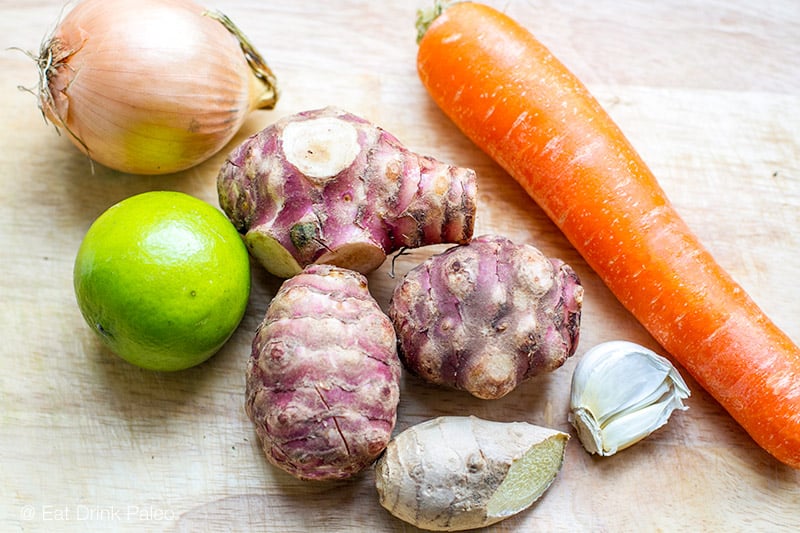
[
  {"x": 323, "y": 379},
  {"x": 326, "y": 186},
  {"x": 485, "y": 316},
  {"x": 454, "y": 473}
]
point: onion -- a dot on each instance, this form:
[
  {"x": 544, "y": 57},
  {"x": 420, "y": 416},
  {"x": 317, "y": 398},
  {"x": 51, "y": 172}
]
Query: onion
[{"x": 150, "y": 86}]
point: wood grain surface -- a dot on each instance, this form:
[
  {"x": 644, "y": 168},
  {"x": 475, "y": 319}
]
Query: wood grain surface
[{"x": 708, "y": 92}]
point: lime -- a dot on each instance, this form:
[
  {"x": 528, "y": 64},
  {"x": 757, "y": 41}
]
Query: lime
[{"x": 163, "y": 278}]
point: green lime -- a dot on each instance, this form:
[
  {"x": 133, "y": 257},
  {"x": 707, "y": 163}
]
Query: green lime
[{"x": 164, "y": 279}]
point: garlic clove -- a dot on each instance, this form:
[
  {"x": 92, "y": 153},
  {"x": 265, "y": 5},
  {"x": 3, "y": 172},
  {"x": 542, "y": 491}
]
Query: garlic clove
[{"x": 621, "y": 393}]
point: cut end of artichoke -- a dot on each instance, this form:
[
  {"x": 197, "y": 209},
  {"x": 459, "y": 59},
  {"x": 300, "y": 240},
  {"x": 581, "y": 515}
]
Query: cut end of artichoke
[{"x": 271, "y": 254}]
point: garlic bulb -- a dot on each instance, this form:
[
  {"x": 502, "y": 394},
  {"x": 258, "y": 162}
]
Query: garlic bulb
[
  {"x": 150, "y": 86},
  {"x": 621, "y": 393}
]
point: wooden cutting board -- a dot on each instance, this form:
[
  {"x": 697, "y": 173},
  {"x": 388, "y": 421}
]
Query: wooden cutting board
[{"x": 707, "y": 91}]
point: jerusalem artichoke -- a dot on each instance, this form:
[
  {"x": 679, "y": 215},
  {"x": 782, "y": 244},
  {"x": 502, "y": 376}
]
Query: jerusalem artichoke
[
  {"x": 485, "y": 316},
  {"x": 323, "y": 378},
  {"x": 326, "y": 186},
  {"x": 454, "y": 473}
]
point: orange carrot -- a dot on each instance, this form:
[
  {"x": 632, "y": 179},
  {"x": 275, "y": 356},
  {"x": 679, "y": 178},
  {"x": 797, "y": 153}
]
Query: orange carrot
[{"x": 524, "y": 108}]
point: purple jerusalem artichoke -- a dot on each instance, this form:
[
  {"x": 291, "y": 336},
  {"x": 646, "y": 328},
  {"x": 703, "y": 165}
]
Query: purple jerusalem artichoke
[
  {"x": 485, "y": 316},
  {"x": 323, "y": 379},
  {"x": 326, "y": 186}
]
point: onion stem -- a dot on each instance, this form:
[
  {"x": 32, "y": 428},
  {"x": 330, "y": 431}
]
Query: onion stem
[{"x": 255, "y": 60}]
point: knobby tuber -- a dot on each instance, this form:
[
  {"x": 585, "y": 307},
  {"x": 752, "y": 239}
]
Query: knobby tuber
[
  {"x": 326, "y": 186},
  {"x": 323, "y": 378},
  {"x": 485, "y": 316},
  {"x": 454, "y": 473}
]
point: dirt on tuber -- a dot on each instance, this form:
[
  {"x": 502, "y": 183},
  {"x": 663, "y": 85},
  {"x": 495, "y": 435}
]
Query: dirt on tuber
[
  {"x": 323, "y": 379},
  {"x": 454, "y": 473},
  {"x": 326, "y": 186},
  {"x": 486, "y": 316}
]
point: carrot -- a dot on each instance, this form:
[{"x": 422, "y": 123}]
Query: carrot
[{"x": 524, "y": 108}]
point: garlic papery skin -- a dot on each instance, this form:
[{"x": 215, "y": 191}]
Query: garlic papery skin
[
  {"x": 621, "y": 393},
  {"x": 150, "y": 86}
]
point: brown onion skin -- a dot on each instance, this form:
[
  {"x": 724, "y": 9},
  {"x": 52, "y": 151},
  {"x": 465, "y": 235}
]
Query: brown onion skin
[{"x": 146, "y": 87}]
